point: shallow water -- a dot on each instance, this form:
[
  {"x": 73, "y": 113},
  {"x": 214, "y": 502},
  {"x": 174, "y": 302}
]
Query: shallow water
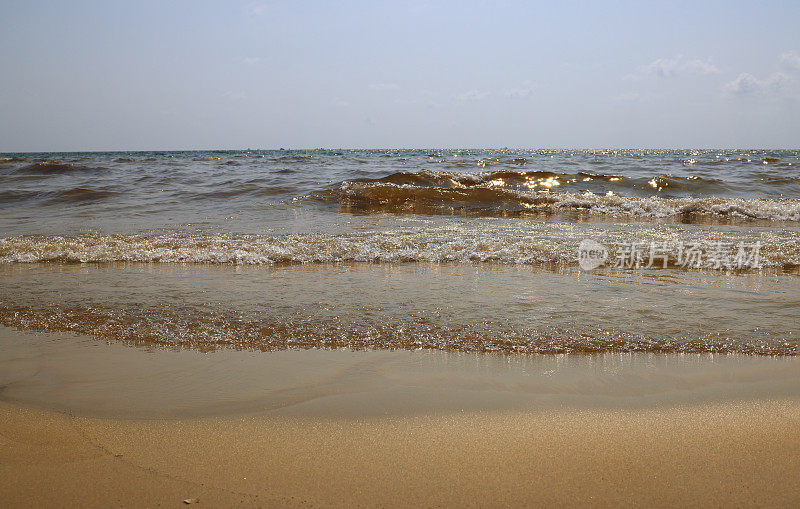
[
  {"x": 466, "y": 250},
  {"x": 457, "y": 307},
  {"x": 76, "y": 374}
]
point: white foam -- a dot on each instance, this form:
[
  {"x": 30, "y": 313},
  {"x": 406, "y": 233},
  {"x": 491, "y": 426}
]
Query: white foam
[{"x": 543, "y": 246}]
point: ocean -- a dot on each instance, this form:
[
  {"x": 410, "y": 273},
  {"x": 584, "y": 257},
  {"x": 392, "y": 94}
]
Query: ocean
[{"x": 457, "y": 250}]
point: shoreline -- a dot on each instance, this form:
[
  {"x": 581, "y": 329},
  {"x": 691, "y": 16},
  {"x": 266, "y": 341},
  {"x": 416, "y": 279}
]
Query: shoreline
[
  {"x": 66, "y": 372},
  {"x": 341, "y": 428}
]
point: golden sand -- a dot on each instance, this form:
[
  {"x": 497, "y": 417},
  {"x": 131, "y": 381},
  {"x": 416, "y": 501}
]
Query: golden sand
[
  {"x": 84, "y": 423},
  {"x": 726, "y": 454}
]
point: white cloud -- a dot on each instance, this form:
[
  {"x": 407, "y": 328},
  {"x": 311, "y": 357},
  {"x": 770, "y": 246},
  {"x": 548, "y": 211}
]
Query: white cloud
[
  {"x": 250, "y": 60},
  {"x": 472, "y": 95},
  {"x": 256, "y": 9},
  {"x": 521, "y": 91},
  {"x": 518, "y": 93},
  {"x": 747, "y": 84},
  {"x": 384, "y": 86},
  {"x": 671, "y": 67},
  {"x": 790, "y": 60},
  {"x": 698, "y": 66}
]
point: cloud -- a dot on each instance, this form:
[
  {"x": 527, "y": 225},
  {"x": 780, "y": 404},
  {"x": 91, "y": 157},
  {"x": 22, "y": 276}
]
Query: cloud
[
  {"x": 747, "y": 84},
  {"x": 384, "y": 86},
  {"x": 698, "y": 66},
  {"x": 256, "y": 9},
  {"x": 677, "y": 66},
  {"x": 522, "y": 91},
  {"x": 472, "y": 95},
  {"x": 250, "y": 60},
  {"x": 790, "y": 60},
  {"x": 518, "y": 93}
]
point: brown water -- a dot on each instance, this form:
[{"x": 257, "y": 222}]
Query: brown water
[
  {"x": 456, "y": 307},
  {"x": 458, "y": 250}
]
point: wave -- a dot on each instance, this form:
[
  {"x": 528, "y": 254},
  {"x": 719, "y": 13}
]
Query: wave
[
  {"x": 781, "y": 252},
  {"x": 512, "y": 193},
  {"x": 246, "y": 189},
  {"x": 81, "y": 195},
  {"x": 495, "y": 179},
  {"x": 189, "y": 327},
  {"x": 12, "y": 197},
  {"x": 11, "y": 160},
  {"x": 728, "y": 160},
  {"x": 76, "y": 195},
  {"x": 56, "y": 167},
  {"x": 390, "y": 197},
  {"x": 466, "y": 180}
]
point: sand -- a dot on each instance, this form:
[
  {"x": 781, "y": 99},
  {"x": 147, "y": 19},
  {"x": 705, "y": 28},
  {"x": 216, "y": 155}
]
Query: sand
[
  {"x": 730, "y": 454},
  {"x": 84, "y": 423}
]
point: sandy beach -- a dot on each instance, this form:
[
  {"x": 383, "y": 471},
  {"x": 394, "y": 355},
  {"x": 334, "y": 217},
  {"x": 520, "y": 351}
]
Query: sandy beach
[
  {"x": 729, "y": 454},
  {"x": 88, "y": 423},
  {"x": 399, "y": 254}
]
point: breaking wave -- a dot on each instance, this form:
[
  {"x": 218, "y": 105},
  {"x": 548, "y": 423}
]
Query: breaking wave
[
  {"x": 422, "y": 245},
  {"x": 506, "y": 193}
]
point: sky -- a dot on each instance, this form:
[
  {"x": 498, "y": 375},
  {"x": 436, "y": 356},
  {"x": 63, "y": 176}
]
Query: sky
[{"x": 109, "y": 75}]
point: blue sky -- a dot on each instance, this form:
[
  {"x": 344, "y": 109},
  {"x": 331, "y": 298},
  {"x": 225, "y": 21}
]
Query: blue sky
[{"x": 305, "y": 74}]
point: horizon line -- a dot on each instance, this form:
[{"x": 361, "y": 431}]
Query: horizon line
[{"x": 387, "y": 148}]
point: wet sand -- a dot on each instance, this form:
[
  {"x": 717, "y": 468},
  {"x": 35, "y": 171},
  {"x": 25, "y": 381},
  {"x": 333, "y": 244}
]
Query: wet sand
[{"x": 88, "y": 423}]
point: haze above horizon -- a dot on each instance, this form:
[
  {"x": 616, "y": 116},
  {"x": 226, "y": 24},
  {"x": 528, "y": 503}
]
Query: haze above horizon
[{"x": 96, "y": 76}]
